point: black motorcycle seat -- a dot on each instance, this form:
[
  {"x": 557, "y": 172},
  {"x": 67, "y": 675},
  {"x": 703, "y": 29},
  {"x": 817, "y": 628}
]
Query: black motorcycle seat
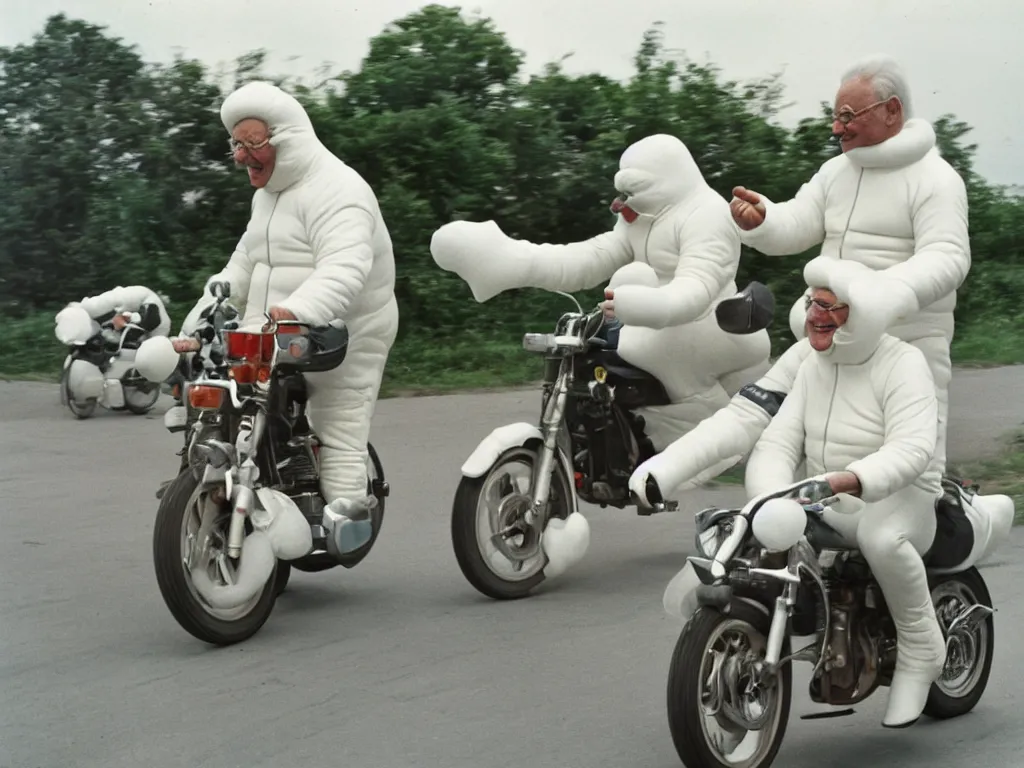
[
  {"x": 954, "y": 536},
  {"x": 952, "y": 545},
  {"x": 613, "y": 363}
]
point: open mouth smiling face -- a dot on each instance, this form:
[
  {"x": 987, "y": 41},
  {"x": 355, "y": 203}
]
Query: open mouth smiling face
[
  {"x": 251, "y": 148},
  {"x": 825, "y": 315}
]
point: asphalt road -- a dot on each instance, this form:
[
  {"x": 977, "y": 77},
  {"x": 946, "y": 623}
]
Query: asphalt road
[{"x": 397, "y": 663}]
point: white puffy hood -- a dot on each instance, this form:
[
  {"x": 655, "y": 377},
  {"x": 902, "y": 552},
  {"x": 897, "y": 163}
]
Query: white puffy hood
[
  {"x": 291, "y": 130},
  {"x": 856, "y": 340},
  {"x": 657, "y": 172}
]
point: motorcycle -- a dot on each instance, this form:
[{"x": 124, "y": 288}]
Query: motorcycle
[
  {"x": 520, "y": 488},
  {"x": 99, "y": 369},
  {"x": 250, "y": 465},
  {"x": 774, "y": 570}
]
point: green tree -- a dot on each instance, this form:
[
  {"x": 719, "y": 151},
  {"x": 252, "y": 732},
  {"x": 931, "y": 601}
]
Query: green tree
[{"x": 114, "y": 171}]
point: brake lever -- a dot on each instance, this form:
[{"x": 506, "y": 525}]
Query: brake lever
[{"x": 815, "y": 492}]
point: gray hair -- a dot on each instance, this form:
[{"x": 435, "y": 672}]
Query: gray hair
[{"x": 886, "y": 77}]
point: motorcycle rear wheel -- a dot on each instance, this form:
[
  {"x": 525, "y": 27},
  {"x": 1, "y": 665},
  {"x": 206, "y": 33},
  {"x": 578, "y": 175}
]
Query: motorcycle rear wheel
[
  {"x": 969, "y": 656},
  {"x": 217, "y": 627},
  {"x": 475, "y": 519}
]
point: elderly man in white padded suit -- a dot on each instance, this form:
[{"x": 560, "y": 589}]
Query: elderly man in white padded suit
[
  {"x": 863, "y": 412},
  {"x": 670, "y": 258},
  {"x": 890, "y": 202},
  {"x": 316, "y": 250}
]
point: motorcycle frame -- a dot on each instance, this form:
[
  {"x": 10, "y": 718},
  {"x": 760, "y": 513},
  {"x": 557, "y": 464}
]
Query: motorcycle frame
[
  {"x": 573, "y": 336},
  {"x": 568, "y": 340},
  {"x": 802, "y": 558}
]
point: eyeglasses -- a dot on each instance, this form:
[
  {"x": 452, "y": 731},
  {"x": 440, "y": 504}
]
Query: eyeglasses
[
  {"x": 824, "y": 305},
  {"x": 235, "y": 144},
  {"x": 846, "y": 114}
]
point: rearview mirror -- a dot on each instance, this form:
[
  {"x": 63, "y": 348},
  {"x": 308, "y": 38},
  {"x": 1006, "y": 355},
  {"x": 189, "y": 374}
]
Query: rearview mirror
[{"x": 749, "y": 311}]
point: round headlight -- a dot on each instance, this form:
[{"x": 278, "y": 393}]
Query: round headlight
[{"x": 779, "y": 524}]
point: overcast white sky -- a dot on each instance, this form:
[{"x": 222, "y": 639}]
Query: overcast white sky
[{"x": 962, "y": 56}]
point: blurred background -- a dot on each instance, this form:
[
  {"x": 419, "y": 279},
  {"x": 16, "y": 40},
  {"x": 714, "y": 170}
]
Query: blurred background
[{"x": 114, "y": 166}]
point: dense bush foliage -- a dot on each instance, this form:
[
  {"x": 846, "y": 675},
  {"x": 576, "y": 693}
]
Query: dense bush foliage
[{"x": 116, "y": 171}]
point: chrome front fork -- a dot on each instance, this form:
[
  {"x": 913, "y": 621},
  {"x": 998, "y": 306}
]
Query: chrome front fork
[
  {"x": 249, "y": 433},
  {"x": 551, "y": 422}
]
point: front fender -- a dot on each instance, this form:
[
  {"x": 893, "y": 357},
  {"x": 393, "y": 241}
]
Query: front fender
[{"x": 502, "y": 439}]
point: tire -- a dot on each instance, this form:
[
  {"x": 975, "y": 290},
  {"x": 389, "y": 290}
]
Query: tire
[
  {"x": 684, "y": 690},
  {"x": 944, "y": 700},
  {"x": 183, "y": 604},
  {"x": 142, "y": 407},
  {"x": 465, "y": 511},
  {"x": 355, "y": 557},
  {"x": 80, "y": 412},
  {"x": 284, "y": 572}
]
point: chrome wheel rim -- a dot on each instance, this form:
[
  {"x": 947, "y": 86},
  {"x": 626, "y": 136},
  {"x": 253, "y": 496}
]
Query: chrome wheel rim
[
  {"x": 203, "y": 537},
  {"x": 966, "y": 649},
  {"x": 732, "y": 701}
]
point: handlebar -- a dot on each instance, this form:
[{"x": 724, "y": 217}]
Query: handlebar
[{"x": 808, "y": 490}]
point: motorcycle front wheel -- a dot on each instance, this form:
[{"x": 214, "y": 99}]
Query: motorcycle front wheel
[
  {"x": 78, "y": 410},
  {"x": 487, "y": 525},
  {"x": 719, "y": 714},
  {"x": 188, "y": 526}
]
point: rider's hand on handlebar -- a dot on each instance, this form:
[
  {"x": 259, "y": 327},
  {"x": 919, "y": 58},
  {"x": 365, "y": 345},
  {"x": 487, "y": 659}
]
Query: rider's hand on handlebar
[
  {"x": 747, "y": 208},
  {"x": 608, "y": 305},
  {"x": 186, "y": 344},
  {"x": 278, "y": 315},
  {"x": 844, "y": 482},
  {"x": 832, "y": 484}
]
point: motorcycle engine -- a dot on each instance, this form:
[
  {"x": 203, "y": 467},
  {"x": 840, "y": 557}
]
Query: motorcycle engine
[
  {"x": 852, "y": 671},
  {"x": 297, "y": 465}
]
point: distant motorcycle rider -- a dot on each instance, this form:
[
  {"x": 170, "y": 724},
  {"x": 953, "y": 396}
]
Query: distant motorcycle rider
[{"x": 135, "y": 312}]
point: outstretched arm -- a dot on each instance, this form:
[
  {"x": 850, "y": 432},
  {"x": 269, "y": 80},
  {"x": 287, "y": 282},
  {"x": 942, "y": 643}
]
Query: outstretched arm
[
  {"x": 780, "y": 449},
  {"x": 120, "y": 299},
  {"x": 910, "y": 409},
  {"x": 709, "y": 254},
  {"x": 793, "y": 226},
  {"x": 726, "y": 436},
  {"x": 491, "y": 262},
  {"x": 576, "y": 266}
]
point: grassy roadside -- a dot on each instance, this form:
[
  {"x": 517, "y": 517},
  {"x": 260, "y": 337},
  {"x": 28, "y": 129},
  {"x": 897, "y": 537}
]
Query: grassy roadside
[
  {"x": 416, "y": 366},
  {"x": 1003, "y": 472},
  {"x": 429, "y": 366}
]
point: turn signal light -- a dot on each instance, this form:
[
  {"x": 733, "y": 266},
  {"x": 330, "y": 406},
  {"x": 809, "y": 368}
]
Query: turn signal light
[{"x": 204, "y": 398}]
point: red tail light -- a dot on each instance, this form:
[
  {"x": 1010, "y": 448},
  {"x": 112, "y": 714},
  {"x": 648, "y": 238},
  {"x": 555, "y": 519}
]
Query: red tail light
[{"x": 249, "y": 356}]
